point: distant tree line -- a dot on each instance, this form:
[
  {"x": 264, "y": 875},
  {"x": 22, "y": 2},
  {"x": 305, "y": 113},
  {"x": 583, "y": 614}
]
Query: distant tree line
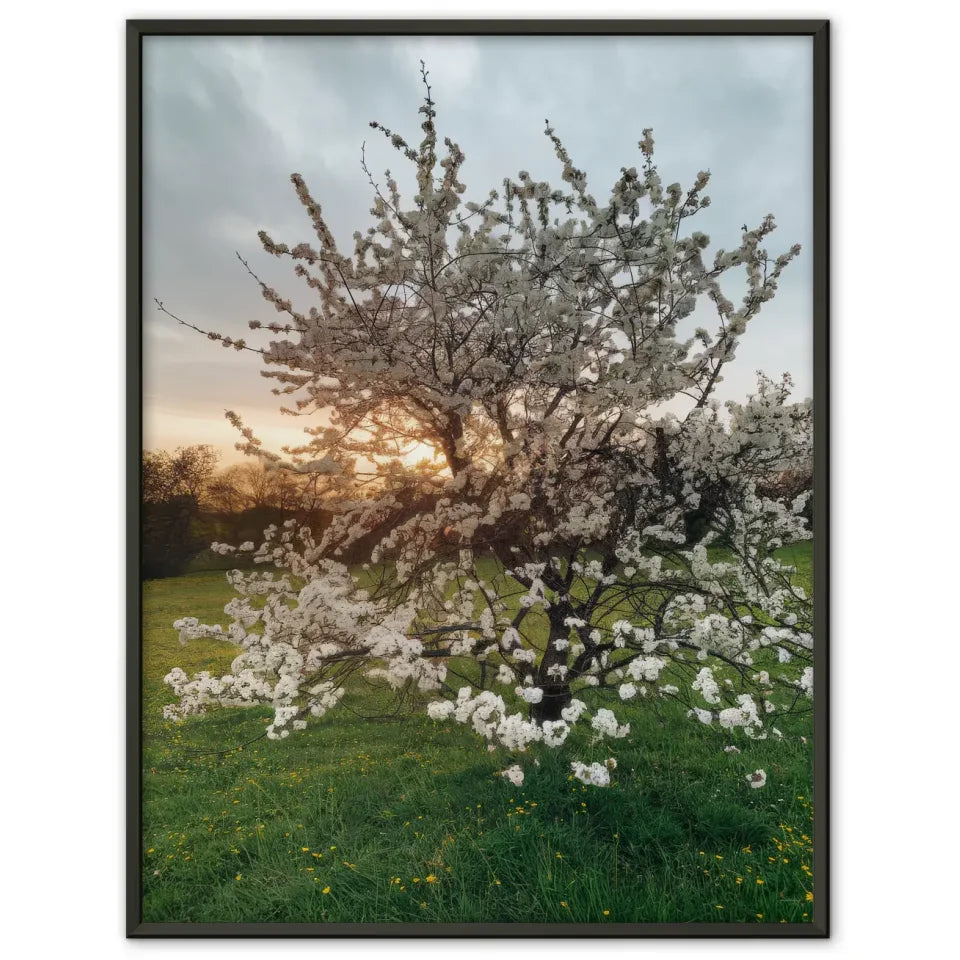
[{"x": 187, "y": 503}]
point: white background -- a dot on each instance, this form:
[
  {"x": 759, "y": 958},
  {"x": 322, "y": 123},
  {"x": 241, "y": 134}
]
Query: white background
[{"x": 894, "y": 504}]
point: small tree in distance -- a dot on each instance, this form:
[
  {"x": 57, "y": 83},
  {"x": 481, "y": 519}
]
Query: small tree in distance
[
  {"x": 593, "y": 532},
  {"x": 187, "y": 472},
  {"x": 173, "y": 487}
]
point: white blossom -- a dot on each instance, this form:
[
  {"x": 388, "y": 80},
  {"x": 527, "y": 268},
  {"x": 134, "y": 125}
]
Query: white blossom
[
  {"x": 757, "y": 779},
  {"x": 514, "y": 774},
  {"x": 606, "y": 725},
  {"x": 596, "y": 774}
]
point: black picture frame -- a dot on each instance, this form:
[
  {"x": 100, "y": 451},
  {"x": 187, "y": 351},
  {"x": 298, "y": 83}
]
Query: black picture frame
[{"x": 819, "y": 30}]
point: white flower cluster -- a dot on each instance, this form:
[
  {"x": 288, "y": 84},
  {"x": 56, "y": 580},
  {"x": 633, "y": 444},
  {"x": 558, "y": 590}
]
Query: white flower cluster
[
  {"x": 757, "y": 779},
  {"x": 488, "y": 715},
  {"x": 708, "y": 687},
  {"x": 514, "y": 774},
  {"x": 605, "y": 724},
  {"x": 744, "y": 715},
  {"x": 594, "y": 774}
]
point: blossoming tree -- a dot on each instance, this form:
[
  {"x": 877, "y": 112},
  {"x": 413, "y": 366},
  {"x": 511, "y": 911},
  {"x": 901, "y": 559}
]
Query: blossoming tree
[{"x": 593, "y": 531}]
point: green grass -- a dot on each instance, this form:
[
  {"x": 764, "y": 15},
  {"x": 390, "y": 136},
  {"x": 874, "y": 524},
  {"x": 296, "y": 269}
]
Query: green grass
[{"x": 407, "y": 820}]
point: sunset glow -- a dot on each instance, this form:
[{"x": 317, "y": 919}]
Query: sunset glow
[{"x": 421, "y": 451}]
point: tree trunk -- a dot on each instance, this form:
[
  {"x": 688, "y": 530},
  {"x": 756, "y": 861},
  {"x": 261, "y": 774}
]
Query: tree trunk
[
  {"x": 450, "y": 443},
  {"x": 556, "y": 696},
  {"x": 556, "y": 692}
]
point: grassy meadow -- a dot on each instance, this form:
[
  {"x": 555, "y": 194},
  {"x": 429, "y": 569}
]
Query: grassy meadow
[{"x": 405, "y": 819}]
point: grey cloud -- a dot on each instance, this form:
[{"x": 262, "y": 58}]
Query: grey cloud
[{"x": 226, "y": 120}]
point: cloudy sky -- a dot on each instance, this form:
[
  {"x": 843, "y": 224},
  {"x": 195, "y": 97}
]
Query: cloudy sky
[{"x": 227, "y": 120}]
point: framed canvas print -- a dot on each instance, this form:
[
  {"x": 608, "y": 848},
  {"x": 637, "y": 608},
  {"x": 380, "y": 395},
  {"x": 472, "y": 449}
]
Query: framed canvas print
[{"x": 478, "y": 478}]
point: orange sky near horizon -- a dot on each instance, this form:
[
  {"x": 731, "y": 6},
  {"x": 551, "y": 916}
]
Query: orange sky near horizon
[{"x": 167, "y": 430}]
